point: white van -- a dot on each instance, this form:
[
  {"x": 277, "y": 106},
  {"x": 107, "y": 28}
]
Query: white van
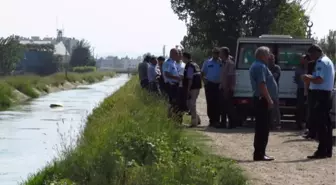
[{"x": 287, "y": 52}]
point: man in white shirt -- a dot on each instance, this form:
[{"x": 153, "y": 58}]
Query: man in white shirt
[{"x": 180, "y": 65}]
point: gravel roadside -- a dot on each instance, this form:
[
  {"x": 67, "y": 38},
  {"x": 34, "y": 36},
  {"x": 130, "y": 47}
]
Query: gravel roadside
[{"x": 289, "y": 149}]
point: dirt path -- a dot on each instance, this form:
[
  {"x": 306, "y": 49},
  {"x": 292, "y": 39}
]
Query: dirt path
[{"x": 289, "y": 149}]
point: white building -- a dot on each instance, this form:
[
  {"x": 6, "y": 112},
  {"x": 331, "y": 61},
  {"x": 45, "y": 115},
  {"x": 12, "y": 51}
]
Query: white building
[{"x": 116, "y": 64}]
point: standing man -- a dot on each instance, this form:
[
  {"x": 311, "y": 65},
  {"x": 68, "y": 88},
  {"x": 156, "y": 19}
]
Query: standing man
[
  {"x": 162, "y": 84},
  {"x": 211, "y": 71},
  {"x": 172, "y": 79},
  {"x": 301, "y": 94},
  {"x": 192, "y": 83},
  {"x": 321, "y": 86},
  {"x": 182, "y": 99},
  {"x": 312, "y": 130},
  {"x": 264, "y": 89},
  {"x": 142, "y": 70},
  {"x": 153, "y": 76},
  {"x": 227, "y": 85},
  {"x": 276, "y": 72}
]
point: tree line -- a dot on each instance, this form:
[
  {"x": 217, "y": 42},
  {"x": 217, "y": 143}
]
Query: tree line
[
  {"x": 13, "y": 53},
  {"x": 220, "y": 23}
]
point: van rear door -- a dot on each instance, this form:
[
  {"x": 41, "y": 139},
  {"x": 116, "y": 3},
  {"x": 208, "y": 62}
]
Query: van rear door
[{"x": 287, "y": 57}]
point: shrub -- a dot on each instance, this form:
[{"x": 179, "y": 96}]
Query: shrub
[
  {"x": 128, "y": 140},
  {"x": 84, "y": 69},
  {"x": 5, "y": 95}
]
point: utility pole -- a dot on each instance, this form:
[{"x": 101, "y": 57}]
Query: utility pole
[
  {"x": 309, "y": 31},
  {"x": 164, "y": 51}
]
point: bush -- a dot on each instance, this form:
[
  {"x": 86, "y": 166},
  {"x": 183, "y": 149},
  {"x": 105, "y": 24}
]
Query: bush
[
  {"x": 128, "y": 140},
  {"x": 5, "y": 95},
  {"x": 84, "y": 69}
]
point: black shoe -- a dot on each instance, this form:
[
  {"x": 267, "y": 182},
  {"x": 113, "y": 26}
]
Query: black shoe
[
  {"x": 192, "y": 126},
  {"x": 319, "y": 155},
  {"x": 220, "y": 126},
  {"x": 263, "y": 158},
  {"x": 309, "y": 136}
]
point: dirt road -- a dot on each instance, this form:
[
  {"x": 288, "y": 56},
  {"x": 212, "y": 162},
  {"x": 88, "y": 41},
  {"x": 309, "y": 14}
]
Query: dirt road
[{"x": 289, "y": 149}]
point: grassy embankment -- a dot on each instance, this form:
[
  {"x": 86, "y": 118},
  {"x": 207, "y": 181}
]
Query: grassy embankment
[
  {"x": 128, "y": 140},
  {"x": 32, "y": 86}
]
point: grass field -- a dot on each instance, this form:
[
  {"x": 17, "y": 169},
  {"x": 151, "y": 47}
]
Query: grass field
[
  {"x": 128, "y": 140},
  {"x": 30, "y": 84}
]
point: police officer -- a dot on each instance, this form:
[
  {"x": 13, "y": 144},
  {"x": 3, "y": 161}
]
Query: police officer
[
  {"x": 321, "y": 85},
  {"x": 192, "y": 83},
  {"x": 154, "y": 75},
  {"x": 172, "y": 79},
  {"x": 211, "y": 70},
  {"x": 264, "y": 89}
]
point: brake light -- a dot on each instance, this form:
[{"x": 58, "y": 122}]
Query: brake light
[{"x": 243, "y": 101}]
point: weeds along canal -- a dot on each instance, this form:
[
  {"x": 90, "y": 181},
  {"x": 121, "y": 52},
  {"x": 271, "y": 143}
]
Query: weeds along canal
[{"x": 31, "y": 135}]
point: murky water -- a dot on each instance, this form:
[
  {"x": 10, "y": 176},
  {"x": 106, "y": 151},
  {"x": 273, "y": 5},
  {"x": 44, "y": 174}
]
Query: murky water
[{"x": 31, "y": 134}]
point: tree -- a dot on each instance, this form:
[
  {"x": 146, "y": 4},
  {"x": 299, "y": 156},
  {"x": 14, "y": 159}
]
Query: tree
[
  {"x": 328, "y": 44},
  {"x": 291, "y": 20},
  {"x": 218, "y": 23},
  {"x": 11, "y": 52},
  {"x": 82, "y": 55}
]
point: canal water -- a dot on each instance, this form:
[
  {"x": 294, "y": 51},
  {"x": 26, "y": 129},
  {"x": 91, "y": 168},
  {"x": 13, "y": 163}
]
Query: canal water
[{"x": 31, "y": 135}]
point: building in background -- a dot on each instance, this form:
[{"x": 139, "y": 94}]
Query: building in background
[{"x": 118, "y": 64}]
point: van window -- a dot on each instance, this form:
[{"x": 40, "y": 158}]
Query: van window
[
  {"x": 289, "y": 55},
  {"x": 246, "y": 54}
]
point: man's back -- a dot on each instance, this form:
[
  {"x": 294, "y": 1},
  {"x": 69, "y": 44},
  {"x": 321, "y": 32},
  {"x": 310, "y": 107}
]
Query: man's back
[
  {"x": 228, "y": 74},
  {"x": 142, "y": 70}
]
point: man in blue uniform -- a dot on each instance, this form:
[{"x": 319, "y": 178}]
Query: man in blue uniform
[
  {"x": 212, "y": 71},
  {"x": 264, "y": 89},
  {"x": 172, "y": 79},
  {"x": 321, "y": 86}
]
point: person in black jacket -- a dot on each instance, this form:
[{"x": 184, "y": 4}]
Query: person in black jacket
[{"x": 192, "y": 83}]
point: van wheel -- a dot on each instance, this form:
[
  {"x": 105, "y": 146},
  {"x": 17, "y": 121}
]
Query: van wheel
[{"x": 241, "y": 115}]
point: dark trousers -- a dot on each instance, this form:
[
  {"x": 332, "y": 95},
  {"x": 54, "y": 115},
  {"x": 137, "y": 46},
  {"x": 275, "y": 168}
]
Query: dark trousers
[
  {"x": 162, "y": 86},
  {"x": 300, "y": 107},
  {"x": 322, "y": 103},
  {"x": 144, "y": 83},
  {"x": 172, "y": 90},
  {"x": 228, "y": 109},
  {"x": 263, "y": 116},
  {"x": 213, "y": 97},
  {"x": 311, "y": 126},
  {"x": 182, "y": 99},
  {"x": 154, "y": 87}
]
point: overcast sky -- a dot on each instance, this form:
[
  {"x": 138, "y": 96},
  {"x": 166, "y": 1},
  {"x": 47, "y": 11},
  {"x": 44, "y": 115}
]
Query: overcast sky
[{"x": 117, "y": 27}]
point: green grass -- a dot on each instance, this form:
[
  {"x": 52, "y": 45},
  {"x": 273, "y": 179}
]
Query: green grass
[
  {"x": 28, "y": 84},
  {"x": 128, "y": 140}
]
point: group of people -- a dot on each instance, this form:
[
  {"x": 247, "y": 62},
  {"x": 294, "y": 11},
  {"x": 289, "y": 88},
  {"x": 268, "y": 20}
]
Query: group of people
[
  {"x": 315, "y": 79},
  {"x": 178, "y": 78}
]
